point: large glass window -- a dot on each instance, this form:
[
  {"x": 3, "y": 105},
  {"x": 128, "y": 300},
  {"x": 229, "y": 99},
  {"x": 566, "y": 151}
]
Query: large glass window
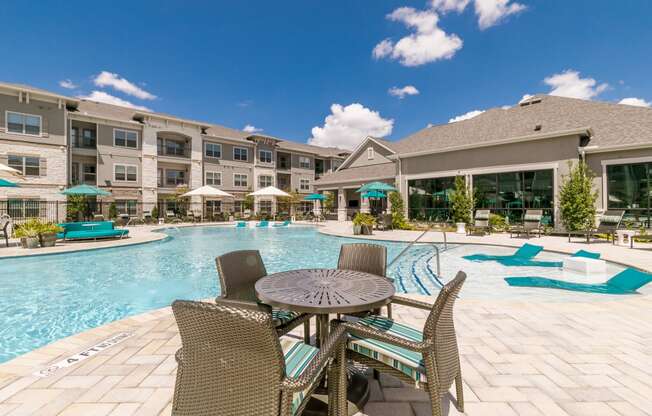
[
  {"x": 509, "y": 194},
  {"x": 27, "y": 165},
  {"x": 429, "y": 198},
  {"x": 175, "y": 177},
  {"x": 23, "y": 123},
  {"x": 629, "y": 188}
]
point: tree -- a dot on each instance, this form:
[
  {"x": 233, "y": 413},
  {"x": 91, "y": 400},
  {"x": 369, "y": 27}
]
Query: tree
[
  {"x": 577, "y": 198},
  {"x": 461, "y": 201},
  {"x": 329, "y": 202},
  {"x": 398, "y": 217}
]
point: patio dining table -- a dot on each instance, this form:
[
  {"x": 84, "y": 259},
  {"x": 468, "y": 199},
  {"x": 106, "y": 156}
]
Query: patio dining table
[{"x": 323, "y": 292}]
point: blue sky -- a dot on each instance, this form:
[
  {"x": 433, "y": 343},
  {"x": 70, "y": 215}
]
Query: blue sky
[{"x": 280, "y": 66}]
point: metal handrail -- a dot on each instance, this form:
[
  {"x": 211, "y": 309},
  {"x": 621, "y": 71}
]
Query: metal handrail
[{"x": 433, "y": 244}]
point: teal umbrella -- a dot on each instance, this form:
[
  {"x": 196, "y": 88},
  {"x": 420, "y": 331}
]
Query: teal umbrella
[
  {"x": 314, "y": 197},
  {"x": 86, "y": 190},
  {"x": 376, "y": 186},
  {"x": 373, "y": 195},
  {"x": 7, "y": 184}
]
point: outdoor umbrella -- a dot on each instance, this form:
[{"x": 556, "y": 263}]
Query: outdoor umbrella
[
  {"x": 7, "y": 184},
  {"x": 85, "y": 190},
  {"x": 270, "y": 191},
  {"x": 7, "y": 169},
  {"x": 376, "y": 186},
  {"x": 207, "y": 191},
  {"x": 314, "y": 197},
  {"x": 373, "y": 195}
]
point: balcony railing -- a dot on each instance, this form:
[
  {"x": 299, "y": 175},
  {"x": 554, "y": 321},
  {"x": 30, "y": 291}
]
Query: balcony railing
[
  {"x": 171, "y": 151},
  {"x": 85, "y": 144}
]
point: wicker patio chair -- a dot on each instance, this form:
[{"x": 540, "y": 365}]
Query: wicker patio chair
[
  {"x": 6, "y": 227},
  {"x": 608, "y": 224},
  {"x": 232, "y": 363},
  {"x": 429, "y": 359},
  {"x": 367, "y": 258},
  {"x": 480, "y": 223},
  {"x": 531, "y": 223},
  {"x": 238, "y": 273}
]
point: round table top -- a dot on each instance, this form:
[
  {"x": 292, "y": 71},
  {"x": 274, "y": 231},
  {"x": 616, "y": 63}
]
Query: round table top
[{"x": 323, "y": 291}]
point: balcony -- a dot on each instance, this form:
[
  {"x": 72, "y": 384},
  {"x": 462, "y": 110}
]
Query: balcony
[{"x": 174, "y": 151}]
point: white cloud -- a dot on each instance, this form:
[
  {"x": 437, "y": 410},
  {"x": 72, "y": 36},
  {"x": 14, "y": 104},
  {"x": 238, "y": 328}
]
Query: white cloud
[
  {"x": 347, "y": 126},
  {"x": 489, "y": 12},
  {"x": 492, "y": 12},
  {"x": 449, "y": 5},
  {"x": 428, "y": 43},
  {"x": 67, "y": 84},
  {"x": 638, "y": 102},
  {"x": 251, "y": 129},
  {"x": 102, "y": 97},
  {"x": 402, "y": 92},
  {"x": 569, "y": 84},
  {"x": 466, "y": 116},
  {"x": 109, "y": 79}
]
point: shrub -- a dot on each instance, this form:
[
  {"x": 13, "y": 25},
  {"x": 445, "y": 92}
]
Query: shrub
[
  {"x": 497, "y": 222},
  {"x": 398, "y": 217},
  {"x": 461, "y": 201},
  {"x": 113, "y": 211},
  {"x": 577, "y": 198},
  {"x": 364, "y": 219},
  {"x": 155, "y": 212}
]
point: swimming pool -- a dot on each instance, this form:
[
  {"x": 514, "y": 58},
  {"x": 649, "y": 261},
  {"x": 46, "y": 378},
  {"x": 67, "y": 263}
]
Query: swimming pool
[{"x": 49, "y": 297}]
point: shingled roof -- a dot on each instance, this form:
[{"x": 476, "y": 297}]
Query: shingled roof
[
  {"x": 359, "y": 174},
  {"x": 610, "y": 125}
]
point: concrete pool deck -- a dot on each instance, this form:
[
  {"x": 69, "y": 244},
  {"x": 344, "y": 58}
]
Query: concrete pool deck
[{"x": 518, "y": 358}]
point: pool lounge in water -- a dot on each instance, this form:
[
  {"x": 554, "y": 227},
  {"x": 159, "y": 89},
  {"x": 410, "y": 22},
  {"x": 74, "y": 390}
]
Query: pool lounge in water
[
  {"x": 626, "y": 282},
  {"x": 524, "y": 257}
]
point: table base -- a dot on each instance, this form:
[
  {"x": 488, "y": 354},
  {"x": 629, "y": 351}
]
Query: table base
[{"x": 357, "y": 395}]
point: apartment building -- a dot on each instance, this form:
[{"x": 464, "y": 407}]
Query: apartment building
[
  {"x": 513, "y": 158},
  {"x": 143, "y": 158}
]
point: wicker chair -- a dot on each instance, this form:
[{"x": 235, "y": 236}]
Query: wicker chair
[
  {"x": 431, "y": 359},
  {"x": 362, "y": 257},
  {"x": 6, "y": 227},
  {"x": 232, "y": 363},
  {"x": 238, "y": 272}
]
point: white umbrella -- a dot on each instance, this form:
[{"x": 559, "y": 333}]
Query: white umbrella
[
  {"x": 7, "y": 169},
  {"x": 207, "y": 191},
  {"x": 270, "y": 191}
]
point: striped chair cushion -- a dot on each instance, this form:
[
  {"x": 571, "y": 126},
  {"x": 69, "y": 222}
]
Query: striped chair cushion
[
  {"x": 408, "y": 362},
  {"x": 283, "y": 317},
  {"x": 610, "y": 219},
  {"x": 297, "y": 357},
  {"x": 532, "y": 217}
]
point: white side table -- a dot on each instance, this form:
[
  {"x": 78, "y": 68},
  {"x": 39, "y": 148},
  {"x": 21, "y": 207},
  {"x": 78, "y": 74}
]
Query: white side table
[
  {"x": 625, "y": 236},
  {"x": 585, "y": 266}
]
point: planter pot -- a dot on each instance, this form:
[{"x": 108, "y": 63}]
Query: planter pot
[
  {"x": 357, "y": 229},
  {"x": 366, "y": 230},
  {"x": 29, "y": 242},
  {"x": 461, "y": 228},
  {"x": 48, "y": 239}
]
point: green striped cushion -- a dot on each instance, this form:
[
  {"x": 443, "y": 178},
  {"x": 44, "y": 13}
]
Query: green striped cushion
[
  {"x": 283, "y": 317},
  {"x": 532, "y": 217},
  {"x": 408, "y": 362},
  {"x": 610, "y": 219},
  {"x": 297, "y": 357}
]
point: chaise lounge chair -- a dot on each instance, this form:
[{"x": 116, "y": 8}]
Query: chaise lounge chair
[
  {"x": 480, "y": 223},
  {"x": 626, "y": 282},
  {"x": 285, "y": 223},
  {"x": 241, "y": 224},
  {"x": 531, "y": 223},
  {"x": 262, "y": 224},
  {"x": 517, "y": 259},
  {"x": 526, "y": 252},
  {"x": 609, "y": 223}
]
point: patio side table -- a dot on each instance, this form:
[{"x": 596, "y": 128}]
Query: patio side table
[{"x": 323, "y": 292}]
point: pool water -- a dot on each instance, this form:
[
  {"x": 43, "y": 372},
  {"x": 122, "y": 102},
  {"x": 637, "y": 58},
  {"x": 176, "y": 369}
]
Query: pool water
[{"x": 46, "y": 298}]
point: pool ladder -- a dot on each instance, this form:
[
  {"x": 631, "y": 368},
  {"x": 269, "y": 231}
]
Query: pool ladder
[{"x": 434, "y": 246}]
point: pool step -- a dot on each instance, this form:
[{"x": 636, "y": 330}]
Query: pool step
[{"x": 415, "y": 271}]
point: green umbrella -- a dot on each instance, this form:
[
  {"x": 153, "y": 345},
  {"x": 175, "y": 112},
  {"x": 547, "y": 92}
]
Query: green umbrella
[
  {"x": 314, "y": 197},
  {"x": 373, "y": 194},
  {"x": 7, "y": 184},
  {"x": 376, "y": 186},
  {"x": 86, "y": 190}
]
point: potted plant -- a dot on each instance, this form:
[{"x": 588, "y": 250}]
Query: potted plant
[
  {"x": 28, "y": 233},
  {"x": 461, "y": 205},
  {"x": 48, "y": 233},
  {"x": 363, "y": 224}
]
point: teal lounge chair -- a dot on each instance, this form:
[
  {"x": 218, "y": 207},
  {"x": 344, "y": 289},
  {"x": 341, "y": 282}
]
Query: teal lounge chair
[
  {"x": 543, "y": 263},
  {"x": 626, "y": 282},
  {"x": 241, "y": 224},
  {"x": 263, "y": 223},
  {"x": 282, "y": 224},
  {"x": 527, "y": 251},
  {"x": 90, "y": 230}
]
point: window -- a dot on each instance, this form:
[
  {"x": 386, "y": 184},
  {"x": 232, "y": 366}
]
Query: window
[
  {"x": 27, "y": 165},
  {"x": 240, "y": 153},
  {"x": 283, "y": 162},
  {"x": 175, "y": 177},
  {"x": 126, "y": 207},
  {"x": 213, "y": 150},
  {"x": 370, "y": 153},
  {"x": 88, "y": 138},
  {"x": 265, "y": 156},
  {"x": 629, "y": 187},
  {"x": 74, "y": 174},
  {"x": 265, "y": 207},
  {"x": 125, "y": 173},
  {"x": 429, "y": 198},
  {"x": 264, "y": 181},
  {"x": 23, "y": 123},
  {"x": 239, "y": 179},
  {"x": 336, "y": 164},
  {"x": 74, "y": 136},
  {"x": 304, "y": 184},
  {"x": 237, "y": 206},
  {"x": 159, "y": 178},
  {"x": 304, "y": 162},
  {"x": 90, "y": 173},
  {"x": 125, "y": 138},
  {"x": 214, "y": 178}
]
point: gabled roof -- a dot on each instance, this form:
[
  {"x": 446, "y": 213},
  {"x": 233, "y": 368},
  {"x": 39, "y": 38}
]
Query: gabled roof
[
  {"x": 359, "y": 174},
  {"x": 383, "y": 143},
  {"x": 608, "y": 124}
]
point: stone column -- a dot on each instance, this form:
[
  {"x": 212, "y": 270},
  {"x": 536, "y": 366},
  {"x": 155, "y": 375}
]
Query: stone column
[
  {"x": 341, "y": 205},
  {"x": 316, "y": 207},
  {"x": 149, "y": 174},
  {"x": 364, "y": 205}
]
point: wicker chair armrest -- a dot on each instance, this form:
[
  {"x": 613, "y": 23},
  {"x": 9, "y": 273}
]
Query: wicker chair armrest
[
  {"x": 245, "y": 304},
  {"x": 179, "y": 356},
  {"x": 368, "y": 332},
  {"x": 327, "y": 350},
  {"x": 413, "y": 303}
]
